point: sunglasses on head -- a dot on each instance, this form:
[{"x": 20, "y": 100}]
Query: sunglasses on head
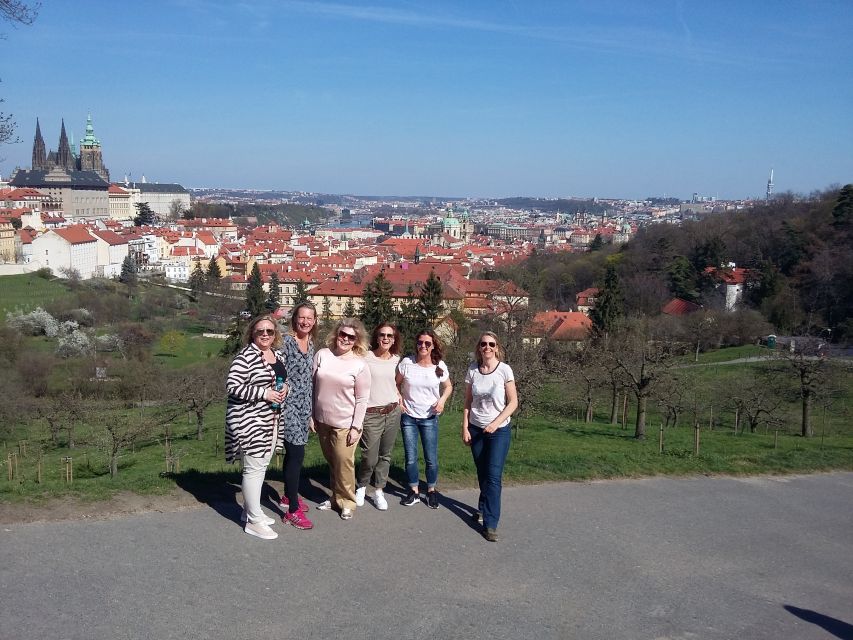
[
  {"x": 264, "y": 332},
  {"x": 486, "y": 343},
  {"x": 386, "y": 335},
  {"x": 343, "y": 335},
  {"x": 424, "y": 343}
]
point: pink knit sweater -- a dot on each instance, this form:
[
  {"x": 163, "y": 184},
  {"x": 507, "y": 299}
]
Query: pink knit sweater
[{"x": 341, "y": 390}]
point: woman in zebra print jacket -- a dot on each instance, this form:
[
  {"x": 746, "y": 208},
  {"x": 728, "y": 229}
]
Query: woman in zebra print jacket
[{"x": 252, "y": 415}]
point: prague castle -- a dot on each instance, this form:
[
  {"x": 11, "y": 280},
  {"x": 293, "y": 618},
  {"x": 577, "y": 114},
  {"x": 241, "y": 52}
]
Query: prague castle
[{"x": 89, "y": 157}]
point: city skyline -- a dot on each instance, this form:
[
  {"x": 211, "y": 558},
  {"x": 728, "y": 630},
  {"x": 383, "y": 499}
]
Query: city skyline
[{"x": 614, "y": 99}]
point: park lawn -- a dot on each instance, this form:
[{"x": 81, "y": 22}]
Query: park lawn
[
  {"x": 27, "y": 291},
  {"x": 192, "y": 349},
  {"x": 732, "y": 353}
]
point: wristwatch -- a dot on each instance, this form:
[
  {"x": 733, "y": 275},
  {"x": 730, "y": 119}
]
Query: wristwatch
[{"x": 356, "y": 429}]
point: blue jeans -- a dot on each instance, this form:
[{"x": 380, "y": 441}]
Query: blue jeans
[
  {"x": 489, "y": 451},
  {"x": 427, "y": 428}
]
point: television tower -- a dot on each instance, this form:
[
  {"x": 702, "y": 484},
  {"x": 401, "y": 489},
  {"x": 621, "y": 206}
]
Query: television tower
[{"x": 770, "y": 185}]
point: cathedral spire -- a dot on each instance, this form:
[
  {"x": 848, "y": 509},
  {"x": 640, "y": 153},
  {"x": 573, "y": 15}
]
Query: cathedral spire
[
  {"x": 64, "y": 157},
  {"x": 39, "y": 151}
]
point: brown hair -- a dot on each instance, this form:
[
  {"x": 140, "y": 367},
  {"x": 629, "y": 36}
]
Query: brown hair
[
  {"x": 499, "y": 350},
  {"x": 437, "y": 352},
  {"x": 395, "y": 346},
  {"x": 250, "y": 331},
  {"x": 360, "y": 346},
  {"x": 295, "y": 312}
]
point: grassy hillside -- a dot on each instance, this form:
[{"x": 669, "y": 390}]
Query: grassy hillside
[{"x": 27, "y": 291}]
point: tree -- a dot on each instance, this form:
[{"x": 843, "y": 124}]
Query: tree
[
  {"x": 198, "y": 280},
  {"x": 842, "y": 212},
  {"x": 176, "y": 210},
  {"x": 255, "y": 296},
  {"x": 274, "y": 296},
  {"x": 172, "y": 342},
  {"x": 349, "y": 308},
  {"x": 377, "y": 303},
  {"x": 432, "y": 295},
  {"x": 597, "y": 243},
  {"x": 144, "y": 215},
  {"x": 326, "y": 322},
  {"x": 410, "y": 320},
  {"x": 197, "y": 387},
  {"x": 807, "y": 362},
  {"x": 608, "y": 303},
  {"x": 129, "y": 271},
  {"x": 301, "y": 294}
]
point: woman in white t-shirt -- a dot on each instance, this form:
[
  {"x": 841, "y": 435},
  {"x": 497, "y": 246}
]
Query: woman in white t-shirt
[
  {"x": 424, "y": 384},
  {"x": 490, "y": 400}
]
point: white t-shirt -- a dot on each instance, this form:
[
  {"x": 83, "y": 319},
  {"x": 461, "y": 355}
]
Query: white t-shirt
[
  {"x": 420, "y": 387},
  {"x": 488, "y": 393}
]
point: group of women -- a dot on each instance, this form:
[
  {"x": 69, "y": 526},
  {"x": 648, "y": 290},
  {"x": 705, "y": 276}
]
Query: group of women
[{"x": 359, "y": 391}]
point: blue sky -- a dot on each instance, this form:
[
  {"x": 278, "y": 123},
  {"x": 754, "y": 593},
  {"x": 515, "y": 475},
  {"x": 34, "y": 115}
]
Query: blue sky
[{"x": 521, "y": 97}]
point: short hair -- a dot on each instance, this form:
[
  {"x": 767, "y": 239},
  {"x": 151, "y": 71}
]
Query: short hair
[
  {"x": 398, "y": 338},
  {"x": 295, "y": 312},
  {"x": 250, "y": 331},
  {"x": 499, "y": 350},
  {"x": 360, "y": 347}
]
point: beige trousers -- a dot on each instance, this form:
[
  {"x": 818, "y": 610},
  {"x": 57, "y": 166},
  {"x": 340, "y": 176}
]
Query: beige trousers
[{"x": 341, "y": 459}]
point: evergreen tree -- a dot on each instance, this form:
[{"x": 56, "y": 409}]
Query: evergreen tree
[
  {"x": 255, "y": 297},
  {"x": 608, "y": 303},
  {"x": 129, "y": 271},
  {"x": 213, "y": 272},
  {"x": 431, "y": 298},
  {"x": 349, "y": 308},
  {"x": 377, "y": 304},
  {"x": 682, "y": 278},
  {"x": 274, "y": 296},
  {"x": 144, "y": 215},
  {"x": 410, "y": 319},
  {"x": 198, "y": 280},
  {"x": 596, "y": 243},
  {"x": 842, "y": 213},
  {"x": 301, "y": 294},
  {"x": 234, "y": 340},
  {"x": 326, "y": 320}
]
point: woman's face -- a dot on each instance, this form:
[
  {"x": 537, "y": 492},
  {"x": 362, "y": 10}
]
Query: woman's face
[
  {"x": 488, "y": 346},
  {"x": 263, "y": 335},
  {"x": 305, "y": 320},
  {"x": 345, "y": 340},
  {"x": 424, "y": 345},
  {"x": 386, "y": 337}
]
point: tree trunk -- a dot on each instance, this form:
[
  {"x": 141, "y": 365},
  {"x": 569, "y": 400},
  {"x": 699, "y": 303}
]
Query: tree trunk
[
  {"x": 640, "y": 430},
  {"x": 589, "y": 405},
  {"x": 113, "y": 465},
  {"x": 614, "y": 404},
  {"x": 199, "y": 421},
  {"x": 808, "y": 431}
]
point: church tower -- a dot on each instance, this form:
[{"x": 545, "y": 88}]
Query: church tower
[
  {"x": 39, "y": 151},
  {"x": 91, "y": 158}
]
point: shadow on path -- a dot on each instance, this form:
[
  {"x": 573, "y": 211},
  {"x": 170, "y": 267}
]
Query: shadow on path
[{"x": 836, "y": 627}]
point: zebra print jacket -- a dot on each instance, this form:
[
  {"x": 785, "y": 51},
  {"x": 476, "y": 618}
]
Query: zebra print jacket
[{"x": 249, "y": 419}]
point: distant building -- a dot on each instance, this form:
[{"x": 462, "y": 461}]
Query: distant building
[{"x": 88, "y": 158}]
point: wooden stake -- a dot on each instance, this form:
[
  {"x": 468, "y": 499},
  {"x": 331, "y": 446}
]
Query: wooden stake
[
  {"x": 737, "y": 419},
  {"x": 625, "y": 411},
  {"x": 776, "y": 439},
  {"x": 660, "y": 440},
  {"x": 69, "y": 469},
  {"x": 696, "y": 440}
]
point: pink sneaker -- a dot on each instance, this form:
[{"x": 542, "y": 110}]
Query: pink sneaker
[
  {"x": 284, "y": 503},
  {"x": 298, "y": 519}
]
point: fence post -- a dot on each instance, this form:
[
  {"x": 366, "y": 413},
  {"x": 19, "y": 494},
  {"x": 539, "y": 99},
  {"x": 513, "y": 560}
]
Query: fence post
[
  {"x": 660, "y": 439},
  {"x": 69, "y": 469},
  {"x": 696, "y": 439},
  {"x": 737, "y": 419},
  {"x": 776, "y": 439}
]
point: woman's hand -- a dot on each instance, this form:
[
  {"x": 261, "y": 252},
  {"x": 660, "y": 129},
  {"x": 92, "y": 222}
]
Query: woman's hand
[
  {"x": 353, "y": 436},
  {"x": 466, "y": 437},
  {"x": 311, "y": 425},
  {"x": 438, "y": 407},
  {"x": 491, "y": 428},
  {"x": 273, "y": 396}
]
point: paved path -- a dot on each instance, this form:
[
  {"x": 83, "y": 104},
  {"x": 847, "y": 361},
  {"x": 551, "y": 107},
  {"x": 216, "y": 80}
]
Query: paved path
[{"x": 658, "y": 558}]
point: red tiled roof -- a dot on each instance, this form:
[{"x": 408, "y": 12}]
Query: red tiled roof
[
  {"x": 110, "y": 237},
  {"x": 680, "y": 307},
  {"x": 75, "y": 234},
  {"x": 117, "y": 190}
]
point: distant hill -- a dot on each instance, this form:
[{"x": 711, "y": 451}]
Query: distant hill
[{"x": 561, "y": 205}]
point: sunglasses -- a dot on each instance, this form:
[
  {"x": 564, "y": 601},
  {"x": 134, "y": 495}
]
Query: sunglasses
[
  {"x": 424, "y": 343},
  {"x": 264, "y": 332},
  {"x": 386, "y": 335},
  {"x": 485, "y": 343},
  {"x": 343, "y": 335}
]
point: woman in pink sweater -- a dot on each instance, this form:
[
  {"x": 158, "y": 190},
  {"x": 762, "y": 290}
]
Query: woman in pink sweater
[{"x": 341, "y": 392}]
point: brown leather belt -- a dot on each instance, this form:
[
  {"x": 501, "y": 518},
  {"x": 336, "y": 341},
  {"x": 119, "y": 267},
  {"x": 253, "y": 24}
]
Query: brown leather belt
[{"x": 383, "y": 411}]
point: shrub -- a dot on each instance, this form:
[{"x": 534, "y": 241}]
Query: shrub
[
  {"x": 37, "y": 322},
  {"x": 108, "y": 342},
  {"x": 73, "y": 344},
  {"x": 44, "y": 273}
]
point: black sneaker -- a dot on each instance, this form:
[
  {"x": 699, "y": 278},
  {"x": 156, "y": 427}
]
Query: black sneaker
[
  {"x": 432, "y": 499},
  {"x": 409, "y": 500},
  {"x": 490, "y": 534},
  {"x": 477, "y": 517}
]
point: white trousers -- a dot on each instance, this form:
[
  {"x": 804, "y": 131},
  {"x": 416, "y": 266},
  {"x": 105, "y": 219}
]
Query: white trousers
[{"x": 254, "y": 472}]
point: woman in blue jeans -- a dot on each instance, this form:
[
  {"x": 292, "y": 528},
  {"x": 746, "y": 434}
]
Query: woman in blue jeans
[
  {"x": 490, "y": 399},
  {"x": 424, "y": 383}
]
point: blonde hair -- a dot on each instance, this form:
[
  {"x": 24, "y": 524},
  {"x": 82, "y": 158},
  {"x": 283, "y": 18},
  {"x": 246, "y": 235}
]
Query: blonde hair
[
  {"x": 499, "y": 350},
  {"x": 361, "y": 346},
  {"x": 248, "y": 336}
]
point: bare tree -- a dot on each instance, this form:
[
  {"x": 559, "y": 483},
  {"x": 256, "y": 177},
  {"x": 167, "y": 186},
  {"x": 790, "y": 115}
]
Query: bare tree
[
  {"x": 806, "y": 361},
  {"x": 757, "y": 402},
  {"x": 196, "y": 387},
  {"x": 121, "y": 431}
]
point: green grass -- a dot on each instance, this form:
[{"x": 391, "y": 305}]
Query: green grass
[
  {"x": 732, "y": 353},
  {"x": 27, "y": 291},
  {"x": 195, "y": 348},
  {"x": 550, "y": 445}
]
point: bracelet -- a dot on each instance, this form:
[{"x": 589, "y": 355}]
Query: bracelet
[{"x": 356, "y": 429}]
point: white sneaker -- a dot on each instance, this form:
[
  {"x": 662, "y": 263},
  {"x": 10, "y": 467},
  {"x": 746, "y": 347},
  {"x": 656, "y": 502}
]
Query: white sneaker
[
  {"x": 324, "y": 506},
  {"x": 260, "y": 530},
  {"x": 380, "y": 501},
  {"x": 265, "y": 520},
  {"x": 359, "y": 496},
  {"x": 346, "y": 514}
]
